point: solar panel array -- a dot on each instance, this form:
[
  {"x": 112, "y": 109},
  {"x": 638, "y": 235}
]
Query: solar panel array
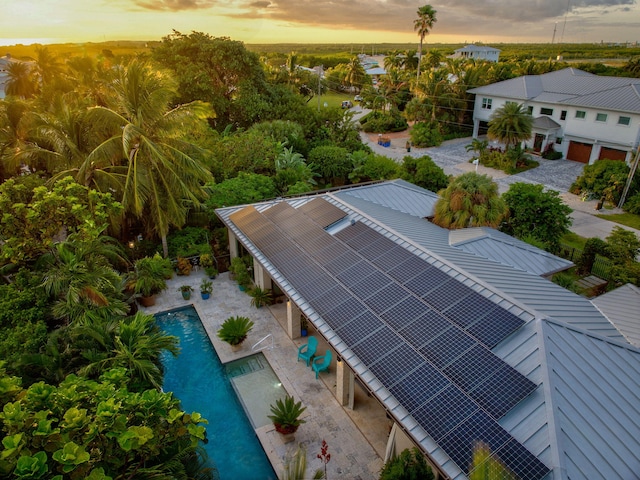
[
  {"x": 322, "y": 212},
  {"x": 425, "y": 335}
]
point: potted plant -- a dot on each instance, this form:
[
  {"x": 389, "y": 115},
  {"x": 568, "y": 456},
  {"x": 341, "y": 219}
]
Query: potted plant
[
  {"x": 285, "y": 415},
  {"x": 207, "y": 262},
  {"x": 304, "y": 326},
  {"x": 234, "y": 331},
  {"x": 206, "y": 288},
  {"x": 186, "y": 291},
  {"x": 149, "y": 278},
  {"x": 183, "y": 266},
  {"x": 244, "y": 279},
  {"x": 260, "y": 297}
]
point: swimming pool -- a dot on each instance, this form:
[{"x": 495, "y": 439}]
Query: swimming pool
[{"x": 201, "y": 382}]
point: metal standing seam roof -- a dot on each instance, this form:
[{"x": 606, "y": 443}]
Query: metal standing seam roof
[
  {"x": 570, "y": 86},
  {"x": 622, "y": 307},
  {"x": 501, "y": 248}
]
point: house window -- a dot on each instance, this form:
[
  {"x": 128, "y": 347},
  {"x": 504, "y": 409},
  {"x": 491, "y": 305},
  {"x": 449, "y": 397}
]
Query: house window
[
  {"x": 581, "y": 114},
  {"x": 601, "y": 117},
  {"x": 563, "y": 115},
  {"x": 546, "y": 111},
  {"x": 530, "y": 110},
  {"x": 624, "y": 121},
  {"x": 558, "y": 140},
  {"x": 486, "y": 103}
]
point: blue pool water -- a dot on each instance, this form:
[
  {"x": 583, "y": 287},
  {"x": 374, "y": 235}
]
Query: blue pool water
[{"x": 197, "y": 377}]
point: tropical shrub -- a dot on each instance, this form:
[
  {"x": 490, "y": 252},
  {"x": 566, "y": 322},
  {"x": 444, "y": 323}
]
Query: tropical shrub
[
  {"x": 380, "y": 122},
  {"x": 285, "y": 414},
  {"x": 632, "y": 205},
  {"x": 605, "y": 179},
  {"x": 424, "y": 172},
  {"x": 426, "y": 134},
  {"x": 234, "y": 330},
  {"x": 371, "y": 166},
  {"x": 245, "y": 188},
  {"x": 550, "y": 153},
  {"x": 331, "y": 163},
  {"x": 592, "y": 247},
  {"x": 189, "y": 242},
  {"x": 409, "y": 465}
]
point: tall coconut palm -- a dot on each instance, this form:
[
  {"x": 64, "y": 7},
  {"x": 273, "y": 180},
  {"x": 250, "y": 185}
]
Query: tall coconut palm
[
  {"x": 48, "y": 67},
  {"x": 470, "y": 200},
  {"x": 164, "y": 172},
  {"x": 355, "y": 74},
  {"x": 510, "y": 124},
  {"x": 13, "y": 133},
  {"x": 423, "y": 25}
]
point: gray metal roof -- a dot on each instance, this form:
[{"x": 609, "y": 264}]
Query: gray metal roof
[
  {"x": 501, "y": 248},
  {"x": 570, "y": 86},
  {"x": 545, "y": 123},
  {"x": 583, "y": 420},
  {"x": 398, "y": 195},
  {"x": 476, "y": 48},
  {"x": 622, "y": 307}
]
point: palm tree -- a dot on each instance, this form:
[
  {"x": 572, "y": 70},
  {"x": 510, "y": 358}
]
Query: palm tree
[
  {"x": 355, "y": 74},
  {"x": 164, "y": 173},
  {"x": 423, "y": 24},
  {"x": 48, "y": 68},
  {"x": 14, "y": 114},
  {"x": 20, "y": 80},
  {"x": 434, "y": 88},
  {"x": 136, "y": 343},
  {"x": 510, "y": 124},
  {"x": 470, "y": 200}
]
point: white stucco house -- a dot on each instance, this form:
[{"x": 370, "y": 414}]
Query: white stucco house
[
  {"x": 586, "y": 117},
  {"x": 477, "y": 52}
]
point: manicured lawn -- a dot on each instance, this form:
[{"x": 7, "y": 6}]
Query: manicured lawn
[
  {"x": 574, "y": 240},
  {"x": 332, "y": 99},
  {"x": 627, "y": 219}
]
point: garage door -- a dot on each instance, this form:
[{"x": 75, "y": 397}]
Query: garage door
[
  {"x": 612, "y": 154},
  {"x": 579, "y": 152}
]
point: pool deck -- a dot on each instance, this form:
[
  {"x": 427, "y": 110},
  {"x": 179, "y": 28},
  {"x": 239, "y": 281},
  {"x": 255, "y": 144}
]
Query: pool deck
[{"x": 356, "y": 438}]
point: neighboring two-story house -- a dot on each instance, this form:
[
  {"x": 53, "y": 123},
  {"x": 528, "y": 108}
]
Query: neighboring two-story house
[
  {"x": 477, "y": 52},
  {"x": 586, "y": 117}
]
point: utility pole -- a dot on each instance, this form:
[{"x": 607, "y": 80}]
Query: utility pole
[
  {"x": 634, "y": 166},
  {"x": 319, "y": 84}
]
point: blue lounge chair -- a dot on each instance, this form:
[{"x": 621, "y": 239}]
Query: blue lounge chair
[
  {"x": 321, "y": 364},
  {"x": 308, "y": 350}
]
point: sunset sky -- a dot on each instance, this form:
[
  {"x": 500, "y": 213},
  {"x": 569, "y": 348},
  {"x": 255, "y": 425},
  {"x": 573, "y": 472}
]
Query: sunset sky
[{"x": 319, "y": 21}]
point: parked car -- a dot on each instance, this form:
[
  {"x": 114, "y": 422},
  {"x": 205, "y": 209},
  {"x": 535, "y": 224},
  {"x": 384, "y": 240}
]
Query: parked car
[
  {"x": 347, "y": 104},
  {"x": 357, "y": 98}
]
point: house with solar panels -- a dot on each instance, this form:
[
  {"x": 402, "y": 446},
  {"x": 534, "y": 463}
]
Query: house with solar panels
[
  {"x": 586, "y": 117},
  {"x": 460, "y": 347}
]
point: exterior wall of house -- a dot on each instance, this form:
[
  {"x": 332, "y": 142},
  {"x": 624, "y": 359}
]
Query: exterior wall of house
[{"x": 588, "y": 130}]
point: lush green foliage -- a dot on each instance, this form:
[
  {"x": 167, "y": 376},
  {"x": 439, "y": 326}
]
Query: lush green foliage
[
  {"x": 534, "y": 212},
  {"x": 234, "y": 330},
  {"x": 332, "y": 163},
  {"x": 510, "y": 124},
  {"x": 150, "y": 275},
  {"x": 245, "y": 188},
  {"x": 426, "y": 134},
  {"x": 189, "y": 242},
  {"x": 409, "y": 465},
  {"x": 592, "y": 247},
  {"x": 424, "y": 172},
  {"x": 381, "y": 122},
  {"x": 605, "y": 179},
  {"x": 92, "y": 429},
  {"x": 470, "y": 200},
  {"x": 632, "y": 204},
  {"x": 371, "y": 166}
]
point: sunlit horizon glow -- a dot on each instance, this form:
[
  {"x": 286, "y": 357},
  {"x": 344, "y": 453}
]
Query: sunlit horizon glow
[{"x": 322, "y": 21}]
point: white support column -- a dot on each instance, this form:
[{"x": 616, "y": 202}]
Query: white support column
[
  {"x": 262, "y": 279},
  {"x": 233, "y": 244},
  {"x": 293, "y": 320},
  {"x": 344, "y": 384},
  {"x": 476, "y": 127}
]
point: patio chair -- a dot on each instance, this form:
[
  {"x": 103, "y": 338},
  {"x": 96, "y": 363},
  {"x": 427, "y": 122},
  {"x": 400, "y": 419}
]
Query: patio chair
[
  {"x": 308, "y": 350},
  {"x": 321, "y": 364}
]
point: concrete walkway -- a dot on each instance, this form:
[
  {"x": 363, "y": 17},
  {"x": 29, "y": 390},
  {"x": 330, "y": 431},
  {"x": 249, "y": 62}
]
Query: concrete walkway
[
  {"x": 556, "y": 175},
  {"x": 353, "y": 456}
]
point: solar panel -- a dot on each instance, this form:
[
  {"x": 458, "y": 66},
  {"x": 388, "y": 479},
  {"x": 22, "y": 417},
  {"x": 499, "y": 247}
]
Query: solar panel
[
  {"x": 447, "y": 293},
  {"x": 356, "y": 272},
  {"x": 329, "y": 299},
  {"x": 369, "y": 285},
  {"x": 521, "y": 461},
  {"x": 427, "y": 280},
  {"x": 322, "y": 212},
  {"x": 408, "y": 269},
  {"x": 426, "y": 327},
  {"x": 447, "y": 346},
  {"x": 501, "y": 391},
  {"x": 358, "y": 328},
  {"x": 469, "y": 309},
  {"x": 381, "y": 340},
  {"x": 392, "y": 258},
  {"x": 330, "y": 253},
  {"x": 405, "y": 312},
  {"x": 344, "y": 312},
  {"x": 495, "y": 326},
  {"x": 378, "y": 248},
  {"x": 444, "y": 412},
  {"x": 341, "y": 263},
  {"x": 473, "y": 368},
  {"x": 392, "y": 367},
  {"x": 419, "y": 386},
  {"x": 384, "y": 298},
  {"x": 476, "y": 430},
  {"x": 352, "y": 231}
]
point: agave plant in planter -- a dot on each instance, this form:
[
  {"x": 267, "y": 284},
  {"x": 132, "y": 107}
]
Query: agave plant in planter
[
  {"x": 285, "y": 415},
  {"x": 234, "y": 331}
]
